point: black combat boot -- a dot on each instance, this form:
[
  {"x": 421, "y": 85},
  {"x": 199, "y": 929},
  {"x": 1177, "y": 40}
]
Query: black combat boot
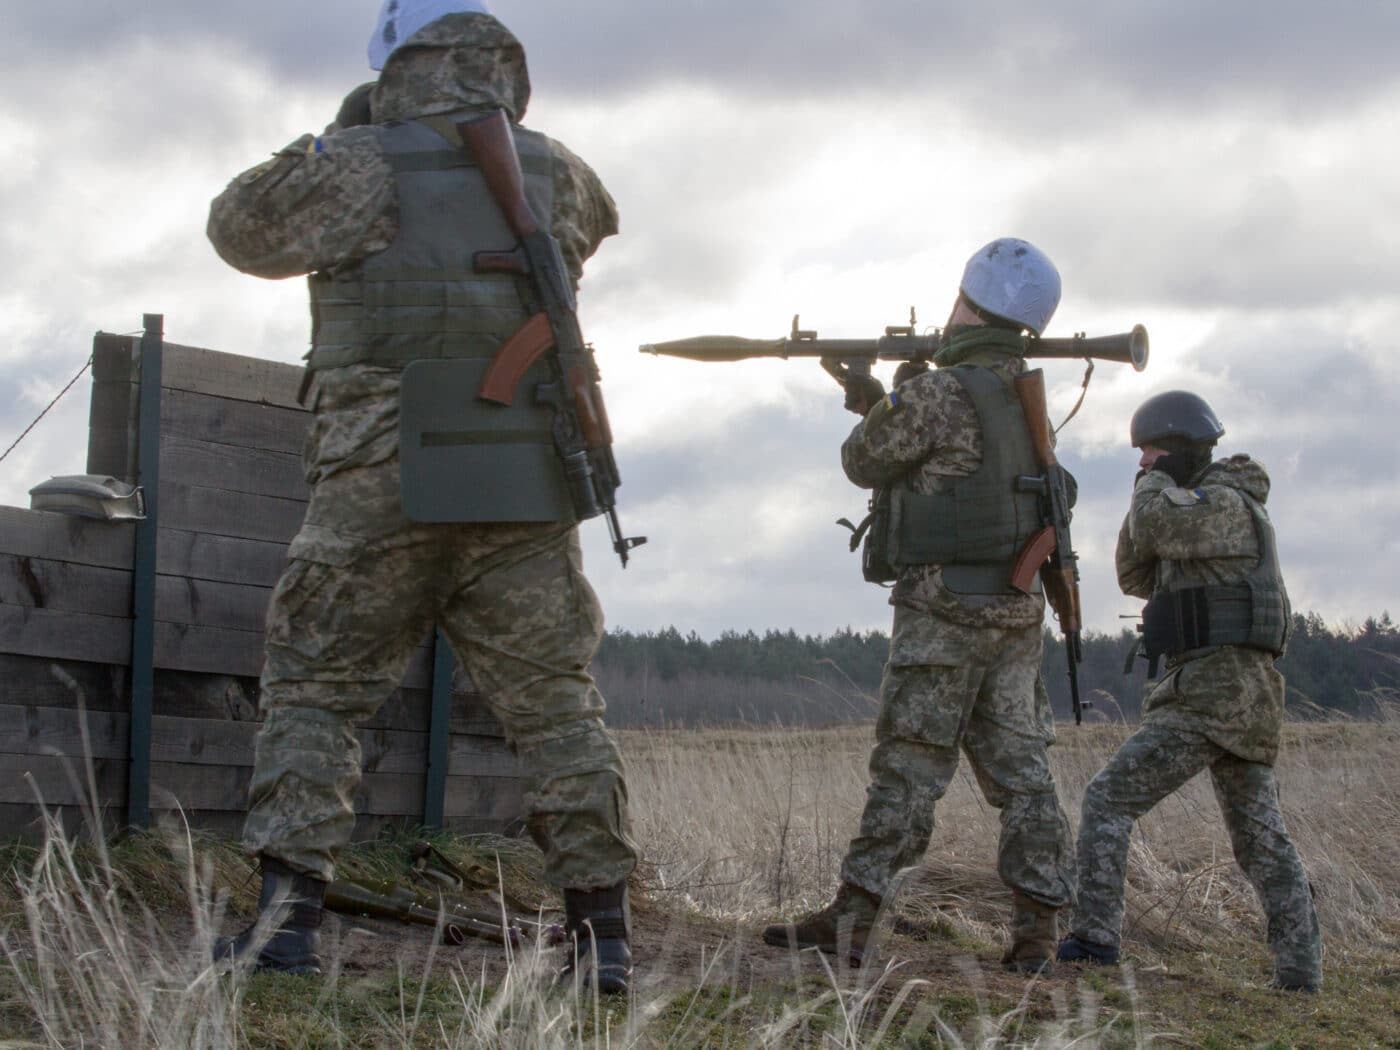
[
  {"x": 293, "y": 946},
  {"x": 600, "y": 926},
  {"x": 1075, "y": 949}
]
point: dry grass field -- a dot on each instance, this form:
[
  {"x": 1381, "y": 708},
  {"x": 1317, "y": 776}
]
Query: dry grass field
[{"x": 740, "y": 826}]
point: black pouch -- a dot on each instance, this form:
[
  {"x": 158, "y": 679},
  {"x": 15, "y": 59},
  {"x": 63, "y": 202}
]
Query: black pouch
[
  {"x": 872, "y": 536},
  {"x": 1174, "y": 622}
]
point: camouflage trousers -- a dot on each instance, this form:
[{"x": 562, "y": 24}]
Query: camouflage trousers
[
  {"x": 1151, "y": 764},
  {"x": 950, "y": 688},
  {"x": 363, "y": 589}
]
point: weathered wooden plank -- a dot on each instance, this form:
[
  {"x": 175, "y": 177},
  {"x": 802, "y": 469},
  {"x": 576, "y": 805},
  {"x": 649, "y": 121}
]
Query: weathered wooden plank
[
  {"x": 219, "y": 512},
  {"x": 45, "y": 683},
  {"x": 27, "y": 631},
  {"x": 59, "y": 781},
  {"x": 24, "y": 823},
  {"x": 112, "y": 426},
  {"x": 253, "y": 470},
  {"x": 68, "y": 587},
  {"x": 199, "y": 370},
  {"x": 484, "y": 798},
  {"x": 237, "y": 376},
  {"x": 64, "y": 635},
  {"x": 30, "y": 729},
  {"x": 209, "y": 417},
  {"x": 41, "y": 682},
  {"x": 63, "y": 586},
  {"x": 227, "y": 559},
  {"x": 115, "y": 357},
  {"x": 62, "y": 537}
]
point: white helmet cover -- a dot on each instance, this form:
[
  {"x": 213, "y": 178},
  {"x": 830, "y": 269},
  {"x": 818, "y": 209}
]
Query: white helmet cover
[
  {"x": 1014, "y": 279},
  {"x": 400, "y": 19}
]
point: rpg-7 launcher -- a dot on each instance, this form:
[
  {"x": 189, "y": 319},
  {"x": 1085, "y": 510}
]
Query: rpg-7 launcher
[
  {"x": 847, "y": 357},
  {"x": 385, "y": 899},
  {"x": 582, "y": 436},
  {"x": 1050, "y": 551}
]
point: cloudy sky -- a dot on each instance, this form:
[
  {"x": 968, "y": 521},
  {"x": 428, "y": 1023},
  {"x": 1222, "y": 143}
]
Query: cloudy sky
[{"x": 1221, "y": 172}]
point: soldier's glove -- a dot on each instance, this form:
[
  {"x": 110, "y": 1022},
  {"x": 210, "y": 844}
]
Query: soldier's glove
[
  {"x": 862, "y": 393},
  {"x": 354, "y": 111},
  {"x": 908, "y": 370},
  {"x": 1176, "y": 466}
]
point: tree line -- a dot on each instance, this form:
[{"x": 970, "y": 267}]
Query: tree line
[{"x": 656, "y": 678}]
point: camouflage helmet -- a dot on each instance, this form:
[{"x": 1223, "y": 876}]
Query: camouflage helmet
[
  {"x": 1178, "y": 416},
  {"x": 1013, "y": 280}
]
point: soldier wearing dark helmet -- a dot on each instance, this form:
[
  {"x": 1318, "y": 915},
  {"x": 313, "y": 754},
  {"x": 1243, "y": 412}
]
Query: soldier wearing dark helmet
[{"x": 1199, "y": 546}]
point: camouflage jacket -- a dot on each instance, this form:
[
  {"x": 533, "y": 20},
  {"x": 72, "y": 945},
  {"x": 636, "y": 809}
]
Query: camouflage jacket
[
  {"x": 928, "y": 431},
  {"x": 1196, "y": 535},
  {"x": 323, "y": 204},
  {"x": 1205, "y": 534}
]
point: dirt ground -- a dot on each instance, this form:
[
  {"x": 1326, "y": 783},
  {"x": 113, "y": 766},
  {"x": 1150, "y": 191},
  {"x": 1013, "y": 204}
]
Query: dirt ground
[{"x": 677, "y": 953}]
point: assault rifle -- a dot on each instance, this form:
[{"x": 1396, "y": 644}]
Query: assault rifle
[
  {"x": 582, "y": 436},
  {"x": 1050, "y": 551},
  {"x": 844, "y": 358}
]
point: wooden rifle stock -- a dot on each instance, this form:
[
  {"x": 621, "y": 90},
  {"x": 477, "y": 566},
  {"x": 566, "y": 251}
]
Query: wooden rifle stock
[{"x": 1050, "y": 549}]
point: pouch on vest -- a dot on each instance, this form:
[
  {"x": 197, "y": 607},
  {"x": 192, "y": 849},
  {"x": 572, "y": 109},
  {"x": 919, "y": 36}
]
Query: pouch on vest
[
  {"x": 494, "y": 463},
  {"x": 873, "y": 537}
]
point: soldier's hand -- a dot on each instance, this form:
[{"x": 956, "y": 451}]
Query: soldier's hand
[
  {"x": 1176, "y": 466},
  {"x": 862, "y": 392},
  {"x": 354, "y": 111},
  {"x": 908, "y": 370}
]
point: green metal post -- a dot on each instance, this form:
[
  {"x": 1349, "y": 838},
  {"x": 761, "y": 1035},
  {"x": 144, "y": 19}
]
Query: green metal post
[
  {"x": 143, "y": 578},
  {"x": 439, "y": 734}
]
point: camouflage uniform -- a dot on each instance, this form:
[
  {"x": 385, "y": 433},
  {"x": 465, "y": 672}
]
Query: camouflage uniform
[
  {"x": 963, "y": 671},
  {"x": 1218, "y": 708},
  {"x": 364, "y": 585}
]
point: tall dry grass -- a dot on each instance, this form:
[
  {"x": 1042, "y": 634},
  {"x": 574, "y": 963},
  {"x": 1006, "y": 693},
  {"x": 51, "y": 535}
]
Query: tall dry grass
[
  {"x": 95, "y": 969},
  {"x": 738, "y": 824},
  {"x": 747, "y": 823}
]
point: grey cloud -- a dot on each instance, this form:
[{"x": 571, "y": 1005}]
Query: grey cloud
[
  {"x": 1019, "y": 62},
  {"x": 302, "y": 42},
  {"x": 1215, "y": 233},
  {"x": 1018, "y": 66}
]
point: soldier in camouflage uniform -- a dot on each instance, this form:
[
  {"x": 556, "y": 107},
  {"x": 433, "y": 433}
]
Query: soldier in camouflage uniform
[
  {"x": 1198, "y": 544},
  {"x": 965, "y": 649},
  {"x": 365, "y": 585}
]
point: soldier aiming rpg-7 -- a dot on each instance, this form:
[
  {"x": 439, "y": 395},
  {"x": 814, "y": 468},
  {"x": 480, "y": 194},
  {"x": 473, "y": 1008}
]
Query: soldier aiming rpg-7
[
  {"x": 949, "y": 445},
  {"x": 438, "y": 496}
]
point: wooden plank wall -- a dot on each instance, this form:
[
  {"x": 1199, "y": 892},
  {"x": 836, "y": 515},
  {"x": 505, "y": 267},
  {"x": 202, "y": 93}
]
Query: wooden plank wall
[{"x": 231, "y": 496}]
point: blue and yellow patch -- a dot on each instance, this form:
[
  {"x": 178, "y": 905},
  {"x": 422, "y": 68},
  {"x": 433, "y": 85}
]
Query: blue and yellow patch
[{"x": 1185, "y": 497}]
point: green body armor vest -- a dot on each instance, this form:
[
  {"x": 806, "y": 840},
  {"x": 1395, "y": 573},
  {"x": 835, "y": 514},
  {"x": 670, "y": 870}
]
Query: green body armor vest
[
  {"x": 973, "y": 526},
  {"x": 1254, "y": 612},
  {"x": 419, "y": 306}
]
